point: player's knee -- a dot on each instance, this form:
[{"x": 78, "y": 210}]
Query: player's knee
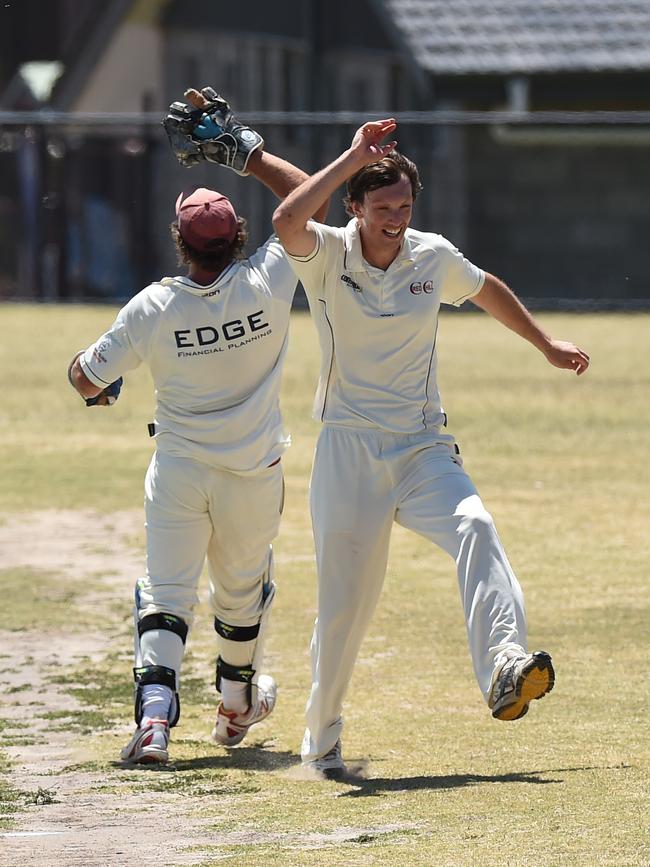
[{"x": 477, "y": 525}]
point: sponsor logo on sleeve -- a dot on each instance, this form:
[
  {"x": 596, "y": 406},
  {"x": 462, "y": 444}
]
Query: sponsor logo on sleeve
[{"x": 98, "y": 350}]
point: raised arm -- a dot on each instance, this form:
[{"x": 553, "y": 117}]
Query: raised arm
[
  {"x": 206, "y": 127},
  {"x": 290, "y": 219},
  {"x": 281, "y": 177},
  {"x": 501, "y": 303}
]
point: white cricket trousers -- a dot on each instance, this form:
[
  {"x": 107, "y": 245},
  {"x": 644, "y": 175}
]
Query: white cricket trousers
[
  {"x": 362, "y": 481},
  {"x": 193, "y": 510}
]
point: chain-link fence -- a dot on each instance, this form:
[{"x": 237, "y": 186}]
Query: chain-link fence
[{"x": 555, "y": 203}]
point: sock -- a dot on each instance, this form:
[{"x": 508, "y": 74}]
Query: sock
[
  {"x": 156, "y": 701},
  {"x": 234, "y": 695}
]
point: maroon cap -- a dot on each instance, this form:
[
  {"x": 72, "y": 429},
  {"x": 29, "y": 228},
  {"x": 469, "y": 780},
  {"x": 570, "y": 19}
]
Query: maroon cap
[{"x": 205, "y": 216}]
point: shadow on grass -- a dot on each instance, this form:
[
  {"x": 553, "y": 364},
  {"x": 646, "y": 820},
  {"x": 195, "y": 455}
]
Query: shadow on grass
[
  {"x": 256, "y": 757},
  {"x": 377, "y": 785}
]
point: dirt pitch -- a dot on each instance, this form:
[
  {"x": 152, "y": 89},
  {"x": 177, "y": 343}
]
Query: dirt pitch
[{"x": 67, "y": 818}]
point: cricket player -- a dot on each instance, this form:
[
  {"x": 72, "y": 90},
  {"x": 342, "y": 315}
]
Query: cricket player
[
  {"x": 214, "y": 341},
  {"x": 383, "y": 455}
]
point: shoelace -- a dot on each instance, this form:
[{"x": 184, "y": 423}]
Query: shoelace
[{"x": 506, "y": 680}]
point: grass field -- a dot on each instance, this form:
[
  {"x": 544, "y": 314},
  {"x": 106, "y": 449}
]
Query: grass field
[{"x": 561, "y": 463}]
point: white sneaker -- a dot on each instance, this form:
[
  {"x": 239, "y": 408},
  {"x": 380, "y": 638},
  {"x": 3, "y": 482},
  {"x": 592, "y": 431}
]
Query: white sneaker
[
  {"x": 232, "y": 727},
  {"x": 330, "y": 766},
  {"x": 149, "y": 744},
  {"x": 518, "y": 682}
]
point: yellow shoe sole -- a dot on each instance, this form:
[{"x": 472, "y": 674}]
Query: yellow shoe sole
[{"x": 537, "y": 678}]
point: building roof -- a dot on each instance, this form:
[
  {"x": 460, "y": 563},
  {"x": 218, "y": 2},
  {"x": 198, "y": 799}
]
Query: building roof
[{"x": 461, "y": 37}]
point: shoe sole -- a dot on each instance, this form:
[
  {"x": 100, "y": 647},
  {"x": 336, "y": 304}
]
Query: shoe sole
[
  {"x": 229, "y": 742},
  {"x": 153, "y": 757},
  {"x": 536, "y": 679}
]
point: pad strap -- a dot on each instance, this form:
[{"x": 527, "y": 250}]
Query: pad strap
[
  {"x": 163, "y": 621},
  {"x": 236, "y": 633},
  {"x": 156, "y": 674},
  {"x": 244, "y": 674}
]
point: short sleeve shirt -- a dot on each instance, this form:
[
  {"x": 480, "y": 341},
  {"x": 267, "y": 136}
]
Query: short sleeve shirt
[
  {"x": 377, "y": 329},
  {"x": 215, "y": 354}
]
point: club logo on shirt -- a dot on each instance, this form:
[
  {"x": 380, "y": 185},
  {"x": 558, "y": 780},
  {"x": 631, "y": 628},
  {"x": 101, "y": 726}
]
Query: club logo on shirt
[
  {"x": 351, "y": 283},
  {"x": 418, "y": 288}
]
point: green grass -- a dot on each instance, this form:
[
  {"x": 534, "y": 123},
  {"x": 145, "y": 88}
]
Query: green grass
[
  {"x": 10, "y": 797},
  {"x": 29, "y": 592},
  {"x": 561, "y": 464}
]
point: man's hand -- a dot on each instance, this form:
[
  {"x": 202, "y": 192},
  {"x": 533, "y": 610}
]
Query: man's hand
[
  {"x": 204, "y": 128},
  {"x": 561, "y": 353},
  {"x": 92, "y": 395},
  {"x": 366, "y": 145},
  {"x": 108, "y": 396}
]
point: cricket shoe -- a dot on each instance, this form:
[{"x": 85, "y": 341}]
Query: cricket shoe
[
  {"x": 149, "y": 744},
  {"x": 232, "y": 727},
  {"x": 518, "y": 682},
  {"x": 328, "y": 767}
]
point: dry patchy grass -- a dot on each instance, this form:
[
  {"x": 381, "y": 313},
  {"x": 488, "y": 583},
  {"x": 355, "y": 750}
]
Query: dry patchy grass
[{"x": 560, "y": 463}]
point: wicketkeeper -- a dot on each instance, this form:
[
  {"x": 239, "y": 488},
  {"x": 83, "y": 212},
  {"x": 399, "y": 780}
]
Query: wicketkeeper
[{"x": 215, "y": 341}]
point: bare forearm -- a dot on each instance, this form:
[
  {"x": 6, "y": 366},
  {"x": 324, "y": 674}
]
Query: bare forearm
[
  {"x": 497, "y": 300},
  {"x": 299, "y": 205},
  {"x": 281, "y": 177},
  {"x": 277, "y": 174},
  {"x": 291, "y": 217},
  {"x": 503, "y": 305},
  {"x": 79, "y": 381}
]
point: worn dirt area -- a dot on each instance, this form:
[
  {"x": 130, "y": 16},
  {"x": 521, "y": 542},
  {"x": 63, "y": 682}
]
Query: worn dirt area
[{"x": 67, "y": 820}]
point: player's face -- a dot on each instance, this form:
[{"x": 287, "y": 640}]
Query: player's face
[{"x": 384, "y": 214}]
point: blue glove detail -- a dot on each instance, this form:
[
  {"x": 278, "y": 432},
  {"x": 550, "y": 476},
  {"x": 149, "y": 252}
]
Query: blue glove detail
[
  {"x": 207, "y": 128},
  {"x": 111, "y": 393}
]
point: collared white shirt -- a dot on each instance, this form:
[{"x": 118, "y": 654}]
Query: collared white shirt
[
  {"x": 377, "y": 329},
  {"x": 215, "y": 354}
]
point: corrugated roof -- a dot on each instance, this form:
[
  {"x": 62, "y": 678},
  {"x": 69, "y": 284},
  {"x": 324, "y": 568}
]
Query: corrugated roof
[{"x": 454, "y": 37}]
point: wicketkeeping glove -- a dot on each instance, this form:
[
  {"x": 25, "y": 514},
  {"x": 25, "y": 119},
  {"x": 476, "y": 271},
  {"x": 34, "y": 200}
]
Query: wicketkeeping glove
[
  {"x": 210, "y": 132},
  {"x": 108, "y": 396}
]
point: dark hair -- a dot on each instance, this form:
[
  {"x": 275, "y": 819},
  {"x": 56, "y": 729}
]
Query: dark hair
[
  {"x": 220, "y": 254},
  {"x": 382, "y": 174}
]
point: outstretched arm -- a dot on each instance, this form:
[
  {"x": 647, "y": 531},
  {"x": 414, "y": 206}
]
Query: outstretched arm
[
  {"x": 280, "y": 176},
  {"x": 290, "y": 218},
  {"x": 501, "y": 303}
]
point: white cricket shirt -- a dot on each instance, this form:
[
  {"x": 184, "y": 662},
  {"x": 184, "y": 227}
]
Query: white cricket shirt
[
  {"x": 377, "y": 329},
  {"x": 215, "y": 354}
]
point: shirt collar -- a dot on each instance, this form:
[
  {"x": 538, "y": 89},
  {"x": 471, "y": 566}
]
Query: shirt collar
[
  {"x": 223, "y": 277},
  {"x": 354, "y": 260}
]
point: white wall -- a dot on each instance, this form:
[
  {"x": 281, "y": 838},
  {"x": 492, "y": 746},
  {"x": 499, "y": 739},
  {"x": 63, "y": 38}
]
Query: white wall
[{"x": 130, "y": 68}]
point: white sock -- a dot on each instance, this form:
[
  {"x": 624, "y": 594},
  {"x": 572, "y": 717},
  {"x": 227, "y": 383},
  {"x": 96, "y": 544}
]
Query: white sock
[
  {"x": 156, "y": 701},
  {"x": 234, "y": 695}
]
